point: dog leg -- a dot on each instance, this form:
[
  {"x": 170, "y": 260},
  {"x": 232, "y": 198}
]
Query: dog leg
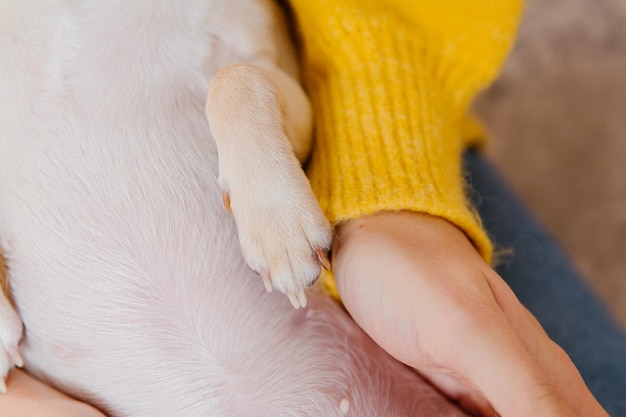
[
  {"x": 261, "y": 120},
  {"x": 10, "y": 330}
]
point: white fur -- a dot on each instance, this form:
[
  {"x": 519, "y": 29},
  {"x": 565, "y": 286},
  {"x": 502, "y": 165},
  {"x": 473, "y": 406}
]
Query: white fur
[
  {"x": 126, "y": 270},
  {"x": 280, "y": 223}
]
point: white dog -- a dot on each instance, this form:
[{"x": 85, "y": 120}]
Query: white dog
[{"x": 126, "y": 270}]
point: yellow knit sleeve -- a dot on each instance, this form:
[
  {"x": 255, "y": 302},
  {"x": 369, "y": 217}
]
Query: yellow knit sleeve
[{"x": 390, "y": 82}]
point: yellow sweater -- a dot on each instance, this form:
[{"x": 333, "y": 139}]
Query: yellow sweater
[{"x": 391, "y": 82}]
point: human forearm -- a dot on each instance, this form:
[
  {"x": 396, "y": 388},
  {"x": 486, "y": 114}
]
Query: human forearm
[
  {"x": 416, "y": 285},
  {"x": 390, "y": 83},
  {"x": 27, "y": 397}
]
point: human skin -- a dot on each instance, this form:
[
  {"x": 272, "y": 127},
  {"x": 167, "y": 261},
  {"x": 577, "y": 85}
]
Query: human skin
[
  {"x": 27, "y": 397},
  {"x": 418, "y": 287}
]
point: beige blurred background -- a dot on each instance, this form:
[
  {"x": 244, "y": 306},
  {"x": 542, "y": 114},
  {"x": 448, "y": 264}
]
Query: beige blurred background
[{"x": 557, "y": 121}]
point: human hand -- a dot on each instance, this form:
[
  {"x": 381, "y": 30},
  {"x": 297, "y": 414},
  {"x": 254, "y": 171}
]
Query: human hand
[
  {"x": 418, "y": 287},
  {"x": 27, "y": 397}
]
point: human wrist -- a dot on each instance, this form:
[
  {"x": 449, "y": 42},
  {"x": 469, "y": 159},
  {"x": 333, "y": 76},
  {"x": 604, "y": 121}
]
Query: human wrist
[
  {"x": 401, "y": 224},
  {"x": 368, "y": 240},
  {"x": 365, "y": 239}
]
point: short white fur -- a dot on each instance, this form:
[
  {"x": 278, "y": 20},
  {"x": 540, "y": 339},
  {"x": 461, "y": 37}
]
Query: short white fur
[{"x": 126, "y": 270}]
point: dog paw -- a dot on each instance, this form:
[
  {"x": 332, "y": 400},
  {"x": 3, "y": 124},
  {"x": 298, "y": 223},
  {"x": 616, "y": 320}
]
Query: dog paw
[
  {"x": 10, "y": 334},
  {"x": 283, "y": 234}
]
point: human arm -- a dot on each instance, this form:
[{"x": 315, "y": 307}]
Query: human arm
[
  {"x": 418, "y": 287},
  {"x": 27, "y": 397},
  {"x": 390, "y": 84}
]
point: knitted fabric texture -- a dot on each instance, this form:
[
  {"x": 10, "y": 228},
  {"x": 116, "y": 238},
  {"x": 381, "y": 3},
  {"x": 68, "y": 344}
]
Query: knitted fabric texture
[{"x": 390, "y": 83}]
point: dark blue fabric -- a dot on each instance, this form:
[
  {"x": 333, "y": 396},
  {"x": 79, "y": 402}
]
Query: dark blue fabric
[{"x": 545, "y": 281}]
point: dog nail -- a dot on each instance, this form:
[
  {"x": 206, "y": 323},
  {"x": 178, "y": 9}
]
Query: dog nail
[
  {"x": 267, "y": 281},
  {"x": 17, "y": 357},
  {"x": 322, "y": 258},
  {"x": 294, "y": 300},
  {"x": 226, "y": 200},
  {"x": 302, "y": 299},
  {"x": 3, "y": 386}
]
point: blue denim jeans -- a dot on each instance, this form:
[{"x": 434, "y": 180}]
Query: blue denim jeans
[{"x": 545, "y": 281}]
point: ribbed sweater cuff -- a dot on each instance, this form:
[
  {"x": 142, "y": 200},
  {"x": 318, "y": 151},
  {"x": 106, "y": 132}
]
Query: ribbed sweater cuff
[{"x": 388, "y": 131}]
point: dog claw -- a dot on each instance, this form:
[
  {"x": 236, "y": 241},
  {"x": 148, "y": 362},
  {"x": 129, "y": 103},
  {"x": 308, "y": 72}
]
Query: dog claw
[
  {"x": 3, "y": 386},
  {"x": 17, "y": 357},
  {"x": 322, "y": 258},
  {"x": 294, "y": 300},
  {"x": 226, "y": 200},
  {"x": 267, "y": 280},
  {"x": 302, "y": 299}
]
